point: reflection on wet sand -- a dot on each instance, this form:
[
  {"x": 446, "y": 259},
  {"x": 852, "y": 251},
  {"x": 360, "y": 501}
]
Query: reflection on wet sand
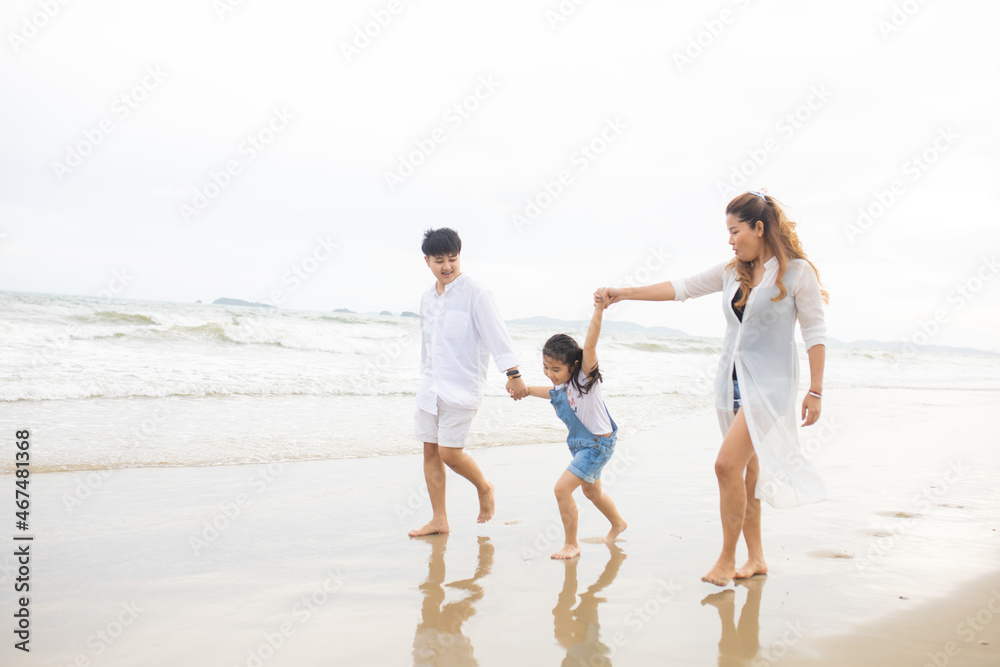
[
  {"x": 439, "y": 640},
  {"x": 739, "y": 643},
  {"x": 578, "y": 630}
]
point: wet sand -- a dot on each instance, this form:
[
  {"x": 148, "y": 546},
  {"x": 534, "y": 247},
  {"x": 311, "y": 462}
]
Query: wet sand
[{"x": 309, "y": 563}]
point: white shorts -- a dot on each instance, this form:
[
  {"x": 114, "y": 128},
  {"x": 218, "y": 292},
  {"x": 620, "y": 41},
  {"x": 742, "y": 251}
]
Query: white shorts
[{"x": 448, "y": 428}]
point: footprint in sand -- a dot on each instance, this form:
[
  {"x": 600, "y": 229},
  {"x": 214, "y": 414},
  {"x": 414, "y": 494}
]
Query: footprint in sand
[
  {"x": 597, "y": 540},
  {"x": 898, "y": 515},
  {"x": 876, "y": 533},
  {"x": 830, "y": 554}
]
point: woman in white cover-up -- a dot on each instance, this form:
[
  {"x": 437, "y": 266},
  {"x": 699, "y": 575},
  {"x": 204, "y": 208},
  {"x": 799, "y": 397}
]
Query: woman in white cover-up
[{"x": 767, "y": 286}]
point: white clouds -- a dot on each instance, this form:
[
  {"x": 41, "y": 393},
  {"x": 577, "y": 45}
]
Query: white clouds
[{"x": 656, "y": 186}]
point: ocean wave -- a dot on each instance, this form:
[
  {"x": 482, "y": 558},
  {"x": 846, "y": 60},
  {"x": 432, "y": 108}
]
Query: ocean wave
[
  {"x": 76, "y": 391},
  {"x": 117, "y": 316},
  {"x": 673, "y": 347},
  {"x": 327, "y": 335}
]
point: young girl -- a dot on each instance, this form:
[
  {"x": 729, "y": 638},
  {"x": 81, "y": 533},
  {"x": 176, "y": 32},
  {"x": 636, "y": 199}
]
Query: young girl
[{"x": 576, "y": 397}]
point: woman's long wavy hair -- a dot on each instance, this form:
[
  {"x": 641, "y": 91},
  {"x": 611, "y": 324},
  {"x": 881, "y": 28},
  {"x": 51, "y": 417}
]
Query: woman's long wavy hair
[
  {"x": 563, "y": 348},
  {"x": 779, "y": 235}
]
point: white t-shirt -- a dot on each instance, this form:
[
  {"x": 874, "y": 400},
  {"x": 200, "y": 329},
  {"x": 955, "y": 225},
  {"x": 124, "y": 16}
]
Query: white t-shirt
[{"x": 589, "y": 408}]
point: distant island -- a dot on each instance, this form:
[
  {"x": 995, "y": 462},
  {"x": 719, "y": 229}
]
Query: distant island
[
  {"x": 344, "y": 310},
  {"x": 407, "y": 313},
  {"x": 240, "y": 302},
  {"x": 607, "y": 325},
  {"x": 386, "y": 312}
]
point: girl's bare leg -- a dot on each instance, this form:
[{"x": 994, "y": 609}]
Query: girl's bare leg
[
  {"x": 567, "y": 510},
  {"x": 734, "y": 455},
  {"x": 751, "y": 526},
  {"x": 603, "y": 502}
]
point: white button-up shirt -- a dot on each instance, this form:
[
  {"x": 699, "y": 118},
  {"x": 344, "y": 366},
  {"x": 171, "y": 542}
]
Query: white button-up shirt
[{"x": 460, "y": 329}]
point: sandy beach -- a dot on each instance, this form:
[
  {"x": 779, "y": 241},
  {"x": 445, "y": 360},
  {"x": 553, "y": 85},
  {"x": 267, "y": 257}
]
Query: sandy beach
[{"x": 309, "y": 563}]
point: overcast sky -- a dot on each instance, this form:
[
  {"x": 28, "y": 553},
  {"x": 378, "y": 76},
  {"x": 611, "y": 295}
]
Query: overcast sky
[{"x": 297, "y": 149}]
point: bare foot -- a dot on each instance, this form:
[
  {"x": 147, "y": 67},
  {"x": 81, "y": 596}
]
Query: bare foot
[
  {"x": 433, "y": 528},
  {"x": 752, "y": 567},
  {"x": 720, "y": 599},
  {"x": 568, "y": 551},
  {"x": 720, "y": 574},
  {"x": 487, "y": 504},
  {"x": 614, "y": 532}
]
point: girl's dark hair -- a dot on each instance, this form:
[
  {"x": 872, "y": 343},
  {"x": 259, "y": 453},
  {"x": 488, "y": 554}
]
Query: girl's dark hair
[
  {"x": 439, "y": 242},
  {"x": 563, "y": 348}
]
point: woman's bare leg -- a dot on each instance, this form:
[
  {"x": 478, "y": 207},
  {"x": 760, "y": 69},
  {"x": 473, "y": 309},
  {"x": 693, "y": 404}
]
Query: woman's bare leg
[
  {"x": 734, "y": 455},
  {"x": 751, "y": 526}
]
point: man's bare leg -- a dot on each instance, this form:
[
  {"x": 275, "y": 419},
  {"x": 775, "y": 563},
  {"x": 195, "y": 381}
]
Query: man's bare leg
[
  {"x": 434, "y": 475},
  {"x": 456, "y": 459}
]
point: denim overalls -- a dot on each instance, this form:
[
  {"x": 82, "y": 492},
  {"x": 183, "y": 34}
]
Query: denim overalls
[{"x": 590, "y": 452}]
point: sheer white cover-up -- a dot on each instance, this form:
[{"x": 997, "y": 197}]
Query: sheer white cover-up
[{"x": 762, "y": 349}]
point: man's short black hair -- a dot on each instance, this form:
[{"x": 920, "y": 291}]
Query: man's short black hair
[{"x": 443, "y": 241}]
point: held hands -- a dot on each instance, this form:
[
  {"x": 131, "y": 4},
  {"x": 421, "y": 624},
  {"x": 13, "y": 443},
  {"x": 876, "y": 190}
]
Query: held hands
[
  {"x": 811, "y": 407},
  {"x": 516, "y": 388},
  {"x": 607, "y": 295}
]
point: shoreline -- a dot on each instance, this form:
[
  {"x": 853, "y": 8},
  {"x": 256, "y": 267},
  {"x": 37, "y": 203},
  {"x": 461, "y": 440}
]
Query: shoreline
[{"x": 314, "y": 555}]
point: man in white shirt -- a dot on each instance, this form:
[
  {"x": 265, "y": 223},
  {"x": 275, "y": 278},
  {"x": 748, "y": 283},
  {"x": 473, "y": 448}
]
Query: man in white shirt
[{"x": 460, "y": 327}]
